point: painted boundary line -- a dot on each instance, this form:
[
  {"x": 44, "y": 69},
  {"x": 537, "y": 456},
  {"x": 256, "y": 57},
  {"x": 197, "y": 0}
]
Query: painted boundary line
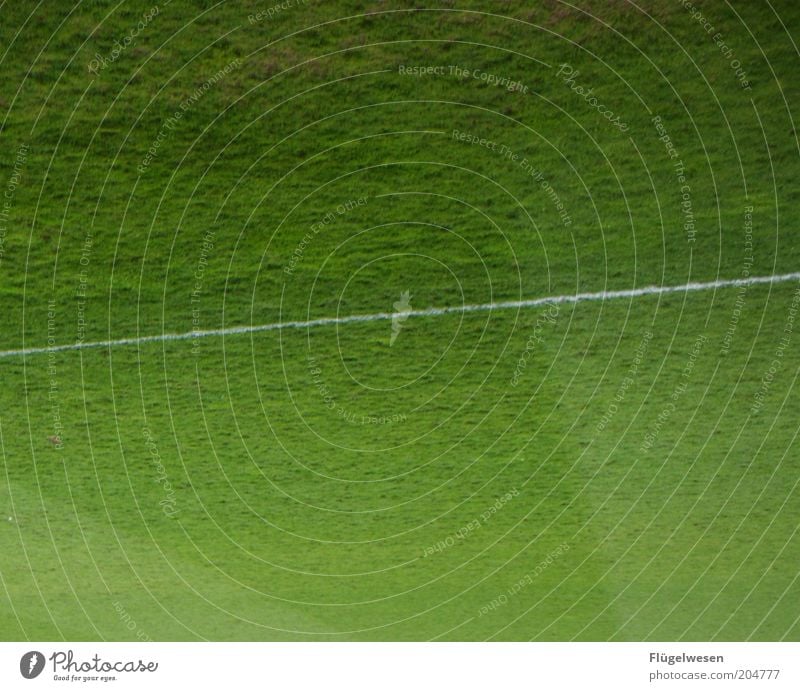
[{"x": 429, "y": 312}]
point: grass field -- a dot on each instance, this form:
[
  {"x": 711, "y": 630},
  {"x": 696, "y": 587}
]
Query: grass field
[{"x": 622, "y": 469}]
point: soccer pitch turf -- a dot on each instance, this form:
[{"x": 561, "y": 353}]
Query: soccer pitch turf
[{"x": 342, "y": 325}]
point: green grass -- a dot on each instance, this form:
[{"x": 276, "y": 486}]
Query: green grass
[{"x": 295, "y": 519}]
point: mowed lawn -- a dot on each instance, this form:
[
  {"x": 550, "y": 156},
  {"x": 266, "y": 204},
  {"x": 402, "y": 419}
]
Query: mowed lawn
[
  {"x": 288, "y": 520},
  {"x": 622, "y": 469}
]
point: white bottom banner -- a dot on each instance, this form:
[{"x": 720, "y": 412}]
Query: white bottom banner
[{"x": 390, "y": 666}]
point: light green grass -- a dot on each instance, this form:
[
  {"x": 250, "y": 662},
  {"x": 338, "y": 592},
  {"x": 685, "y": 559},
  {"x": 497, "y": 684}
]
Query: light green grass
[{"x": 294, "y": 521}]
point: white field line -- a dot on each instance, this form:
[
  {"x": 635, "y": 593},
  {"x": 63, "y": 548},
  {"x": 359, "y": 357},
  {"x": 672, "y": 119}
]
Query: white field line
[{"x": 429, "y": 312}]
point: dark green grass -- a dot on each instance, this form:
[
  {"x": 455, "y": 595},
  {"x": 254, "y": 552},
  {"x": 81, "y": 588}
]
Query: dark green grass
[{"x": 295, "y": 519}]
